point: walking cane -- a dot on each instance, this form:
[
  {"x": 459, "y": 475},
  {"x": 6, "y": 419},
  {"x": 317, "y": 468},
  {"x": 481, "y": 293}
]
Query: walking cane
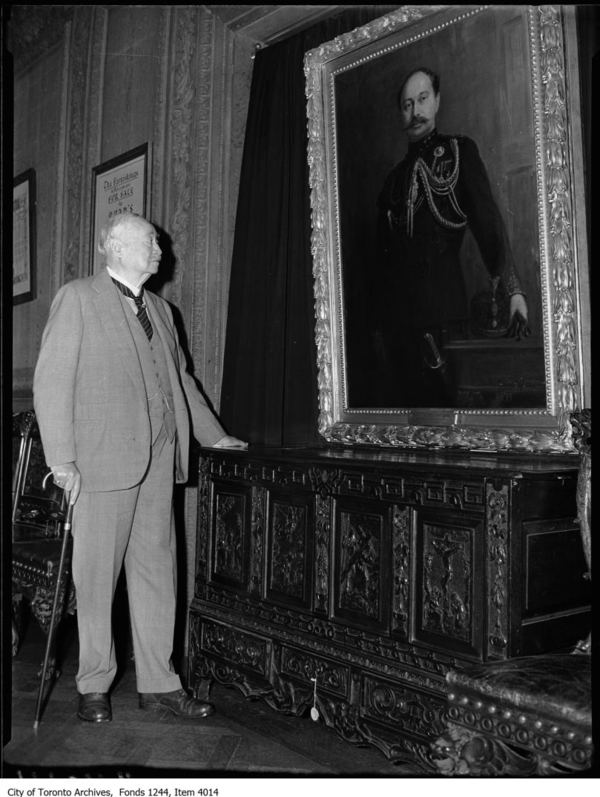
[{"x": 66, "y": 526}]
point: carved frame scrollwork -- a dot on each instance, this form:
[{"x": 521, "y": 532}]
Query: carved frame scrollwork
[{"x": 562, "y": 250}]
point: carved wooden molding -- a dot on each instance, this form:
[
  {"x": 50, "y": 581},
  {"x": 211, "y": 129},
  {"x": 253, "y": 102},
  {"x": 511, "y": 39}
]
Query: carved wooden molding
[
  {"x": 183, "y": 90},
  {"x": 497, "y": 569},
  {"x": 259, "y": 513},
  {"x": 75, "y": 162},
  {"x": 160, "y": 170},
  {"x": 401, "y": 570}
]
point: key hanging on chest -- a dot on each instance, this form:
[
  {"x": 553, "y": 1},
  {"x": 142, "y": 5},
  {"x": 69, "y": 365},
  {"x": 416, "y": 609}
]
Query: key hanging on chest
[{"x": 314, "y": 712}]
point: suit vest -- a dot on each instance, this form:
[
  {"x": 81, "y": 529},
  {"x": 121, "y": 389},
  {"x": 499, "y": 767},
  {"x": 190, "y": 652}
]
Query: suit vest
[{"x": 155, "y": 371}]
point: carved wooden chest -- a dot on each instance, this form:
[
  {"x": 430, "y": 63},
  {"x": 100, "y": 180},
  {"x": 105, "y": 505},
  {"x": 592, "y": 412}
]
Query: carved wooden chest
[{"x": 352, "y": 581}]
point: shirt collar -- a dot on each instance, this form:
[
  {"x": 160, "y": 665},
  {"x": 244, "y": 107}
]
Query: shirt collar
[{"x": 136, "y": 290}]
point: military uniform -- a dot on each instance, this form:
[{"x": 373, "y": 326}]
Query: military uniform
[{"x": 424, "y": 208}]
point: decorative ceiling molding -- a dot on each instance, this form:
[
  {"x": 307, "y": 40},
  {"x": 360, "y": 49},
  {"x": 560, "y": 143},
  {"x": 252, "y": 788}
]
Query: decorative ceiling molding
[{"x": 265, "y": 25}]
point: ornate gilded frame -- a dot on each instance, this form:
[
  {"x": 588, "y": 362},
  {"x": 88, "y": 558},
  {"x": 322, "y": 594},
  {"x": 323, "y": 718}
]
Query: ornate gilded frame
[{"x": 561, "y": 244}]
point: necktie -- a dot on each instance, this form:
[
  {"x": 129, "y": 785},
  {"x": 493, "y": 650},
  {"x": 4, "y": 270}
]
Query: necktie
[{"x": 139, "y": 304}]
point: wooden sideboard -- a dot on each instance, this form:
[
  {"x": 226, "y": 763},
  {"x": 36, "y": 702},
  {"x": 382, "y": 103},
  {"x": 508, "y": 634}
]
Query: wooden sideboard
[{"x": 375, "y": 572}]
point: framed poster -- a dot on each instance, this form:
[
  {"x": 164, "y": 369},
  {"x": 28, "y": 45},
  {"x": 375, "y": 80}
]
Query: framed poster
[
  {"x": 24, "y": 237},
  {"x": 119, "y": 185}
]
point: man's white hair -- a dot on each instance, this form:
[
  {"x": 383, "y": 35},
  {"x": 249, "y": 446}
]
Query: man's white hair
[{"x": 113, "y": 228}]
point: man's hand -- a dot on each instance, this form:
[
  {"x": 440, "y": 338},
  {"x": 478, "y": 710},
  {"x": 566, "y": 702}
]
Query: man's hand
[
  {"x": 518, "y": 326},
  {"x": 68, "y": 477},
  {"x": 230, "y": 442}
]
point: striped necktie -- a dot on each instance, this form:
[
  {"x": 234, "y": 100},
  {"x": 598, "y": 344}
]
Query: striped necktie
[{"x": 139, "y": 304}]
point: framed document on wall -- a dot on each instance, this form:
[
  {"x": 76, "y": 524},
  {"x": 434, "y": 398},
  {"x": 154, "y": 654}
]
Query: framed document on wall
[
  {"x": 24, "y": 237},
  {"x": 119, "y": 185}
]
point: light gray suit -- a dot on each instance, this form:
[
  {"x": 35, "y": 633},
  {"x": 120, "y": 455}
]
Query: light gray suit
[{"x": 91, "y": 403}]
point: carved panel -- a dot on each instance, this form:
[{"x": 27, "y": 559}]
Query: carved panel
[
  {"x": 288, "y": 549},
  {"x": 448, "y": 591},
  {"x": 447, "y": 583},
  {"x": 329, "y": 675},
  {"x": 401, "y": 571},
  {"x": 394, "y": 704},
  {"x": 497, "y": 568},
  {"x": 229, "y": 536},
  {"x": 237, "y": 647},
  {"x": 359, "y": 548}
]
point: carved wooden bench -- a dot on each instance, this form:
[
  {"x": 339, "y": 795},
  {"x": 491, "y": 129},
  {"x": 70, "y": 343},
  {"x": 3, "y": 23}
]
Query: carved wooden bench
[{"x": 523, "y": 716}]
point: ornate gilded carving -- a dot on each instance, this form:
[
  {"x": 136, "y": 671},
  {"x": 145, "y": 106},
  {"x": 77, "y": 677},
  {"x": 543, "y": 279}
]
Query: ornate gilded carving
[
  {"x": 360, "y": 577},
  {"x": 229, "y": 536},
  {"x": 560, "y": 209},
  {"x": 548, "y": 430},
  {"x": 259, "y": 503},
  {"x": 497, "y": 568},
  {"x": 401, "y": 552},
  {"x": 288, "y": 554},
  {"x": 447, "y": 582}
]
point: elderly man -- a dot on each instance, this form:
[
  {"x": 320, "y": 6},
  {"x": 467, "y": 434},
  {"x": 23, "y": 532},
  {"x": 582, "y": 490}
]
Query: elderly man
[
  {"x": 427, "y": 202},
  {"x": 113, "y": 400}
]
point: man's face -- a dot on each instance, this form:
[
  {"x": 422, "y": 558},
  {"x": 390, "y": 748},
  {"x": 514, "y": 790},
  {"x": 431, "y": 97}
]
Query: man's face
[
  {"x": 419, "y": 106},
  {"x": 139, "y": 250}
]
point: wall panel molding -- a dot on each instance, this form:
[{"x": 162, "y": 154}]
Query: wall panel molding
[
  {"x": 92, "y": 128},
  {"x": 75, "y": 161},
  {"x": 160, "y": 133},
  {"x": 180, "y": 143}
]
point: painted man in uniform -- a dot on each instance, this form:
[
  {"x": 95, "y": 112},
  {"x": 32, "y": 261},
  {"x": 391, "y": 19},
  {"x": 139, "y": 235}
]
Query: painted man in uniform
[{"x": 427, "y": 202}]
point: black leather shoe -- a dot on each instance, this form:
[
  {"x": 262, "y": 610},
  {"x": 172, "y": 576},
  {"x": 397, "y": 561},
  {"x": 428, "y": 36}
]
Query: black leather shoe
[
  {"x": 94, "y": 707},
  {"x": 178, "y": 702}
]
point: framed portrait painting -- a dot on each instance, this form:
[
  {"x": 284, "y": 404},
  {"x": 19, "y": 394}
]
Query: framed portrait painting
[{"x": 444, "y": 166}]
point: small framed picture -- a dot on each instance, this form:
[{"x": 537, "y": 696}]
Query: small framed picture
[
  {"x": 119, "y": 185},
  {"x": 24, "y": 237}
]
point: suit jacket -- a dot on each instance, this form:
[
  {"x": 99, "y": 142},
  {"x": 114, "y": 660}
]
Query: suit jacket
[{"x": 89, "y": 393}]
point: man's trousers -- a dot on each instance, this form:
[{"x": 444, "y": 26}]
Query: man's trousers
[{"x": 133, "y": 527}]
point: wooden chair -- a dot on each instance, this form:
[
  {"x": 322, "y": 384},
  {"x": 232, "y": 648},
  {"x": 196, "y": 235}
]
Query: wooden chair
[{"x": 41, "y": 546}]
